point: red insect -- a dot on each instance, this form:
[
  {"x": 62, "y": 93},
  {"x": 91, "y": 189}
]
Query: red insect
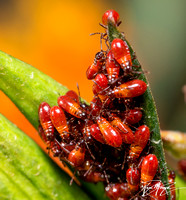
[
  {"x": 77, "y": 156},
  {"x": 73, "y": 95},
  {"x": 133, "y": 116},
  {"x": 117, "y": 191},
  {"x": 46, "y": 123},
  {"x": 56, "y": 148},
  {"x": 125, "y": 132},
  {"x": 96, "y": 133},
  {"x": 99, "y": 87},
  {"x": 112, "y": 67},
  {"x": 51, "y": 145},
  {"x": 59, "y": 120},
  {"x": 70, "y": 106},
  {"x": 141, "y": 138},
  {"x": 121, "y": 52},
  {"x": 149, "y": 167},
  {"x": 111, "y": 136},
  {"x": 171, "y": 179},
  {"x": 43, "y": 136},
  {"x": 93, "y": 177},
  {"x": 101, "y": 83},
  {"x": 133, "y": 179},
  {"x": 96, "y": 66},
  {"x": 130, "y": 89},
  {"x": 158, "y": 191},
  {"x": 110, "y": 16}
]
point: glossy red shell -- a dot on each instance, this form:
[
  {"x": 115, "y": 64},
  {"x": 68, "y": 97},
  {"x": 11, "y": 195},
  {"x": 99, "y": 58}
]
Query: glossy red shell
[
  {"x": 149, "y": 168},
  {"x": 133, "y": 116},
  {"x": 111, "y": 136},
  {"x": 76, "y": 157},
  {"x": 94, "y": 68},
  {"x": 133, "y": 176},
  {"x": 121, "y": 52},
  {"x": 70, "y": 106},
  {"x": 96, "y": 133},
  {"x": 133, "y": 179},
  {"x": 117, "y": 191},
  {"x": 110, "y": 16},
  {"x": 59, "y": 120},
  {"x": 92, "y": 71},
  {"x": 125, "y": 132},
  {"x": 101, "y": 82},
  {"x": 158, "y": 191},
  {"x": 73, "y": 95},
  {"x": 44, "y": 117},
  {"x": 130, "y": 89},
  {"x": 141, "y": 137},
  {"x": 112, "y": 67}
]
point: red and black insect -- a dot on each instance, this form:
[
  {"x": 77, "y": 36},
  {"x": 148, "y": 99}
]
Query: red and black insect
[
  {"x": 59, "y": 121},
  {"x": 158, "y": 191},
  {"x": 44, "y": 118},
  {"x": 149, "y": 168},
  {"x": 130, "y": 89},
  {"x": 125, "y": 132},
  {"x": 133, "y": 179},
  {"x": 100, "y": 84},
  {"x": 96, "y": 65},
  {"x": 95, "y": 107},
  {"x": 112, "y": 67},
  {"x": 117, "y": 191},
  {"x": 111, "y": 16},
  {"x": 133, "y": 116},
  {"x": 71, "y": 107},
  {"x": 96, "y": 133},
  {"x": 111, "y": 136},
  {"x": 121, "y": 52},
  {"x": 141, "y": 138},
  {"x": 73, "y": 95},
  {"x": 77, "y": 156}
]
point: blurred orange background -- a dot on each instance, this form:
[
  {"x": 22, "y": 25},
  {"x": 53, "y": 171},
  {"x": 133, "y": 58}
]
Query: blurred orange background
[{"x": 54, "y": 37}]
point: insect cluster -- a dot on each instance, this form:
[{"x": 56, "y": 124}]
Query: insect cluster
[{"x": 106, "y": 141}]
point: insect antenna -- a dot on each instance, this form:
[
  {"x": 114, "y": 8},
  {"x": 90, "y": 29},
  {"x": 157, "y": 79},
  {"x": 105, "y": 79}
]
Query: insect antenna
[
  {"x": 88, "y": 171},
  {"x": 102, "y": 25},
  {"x": 106, "y": 177},
  {"x": 64, "y": 149}
]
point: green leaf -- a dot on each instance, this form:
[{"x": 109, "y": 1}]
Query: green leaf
[
  {"x": 150, "y": 117},
  {"x": 27, "y": 87},
  {"x": 180, "y": 188},
  {"x": 26, "y": 172}
]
